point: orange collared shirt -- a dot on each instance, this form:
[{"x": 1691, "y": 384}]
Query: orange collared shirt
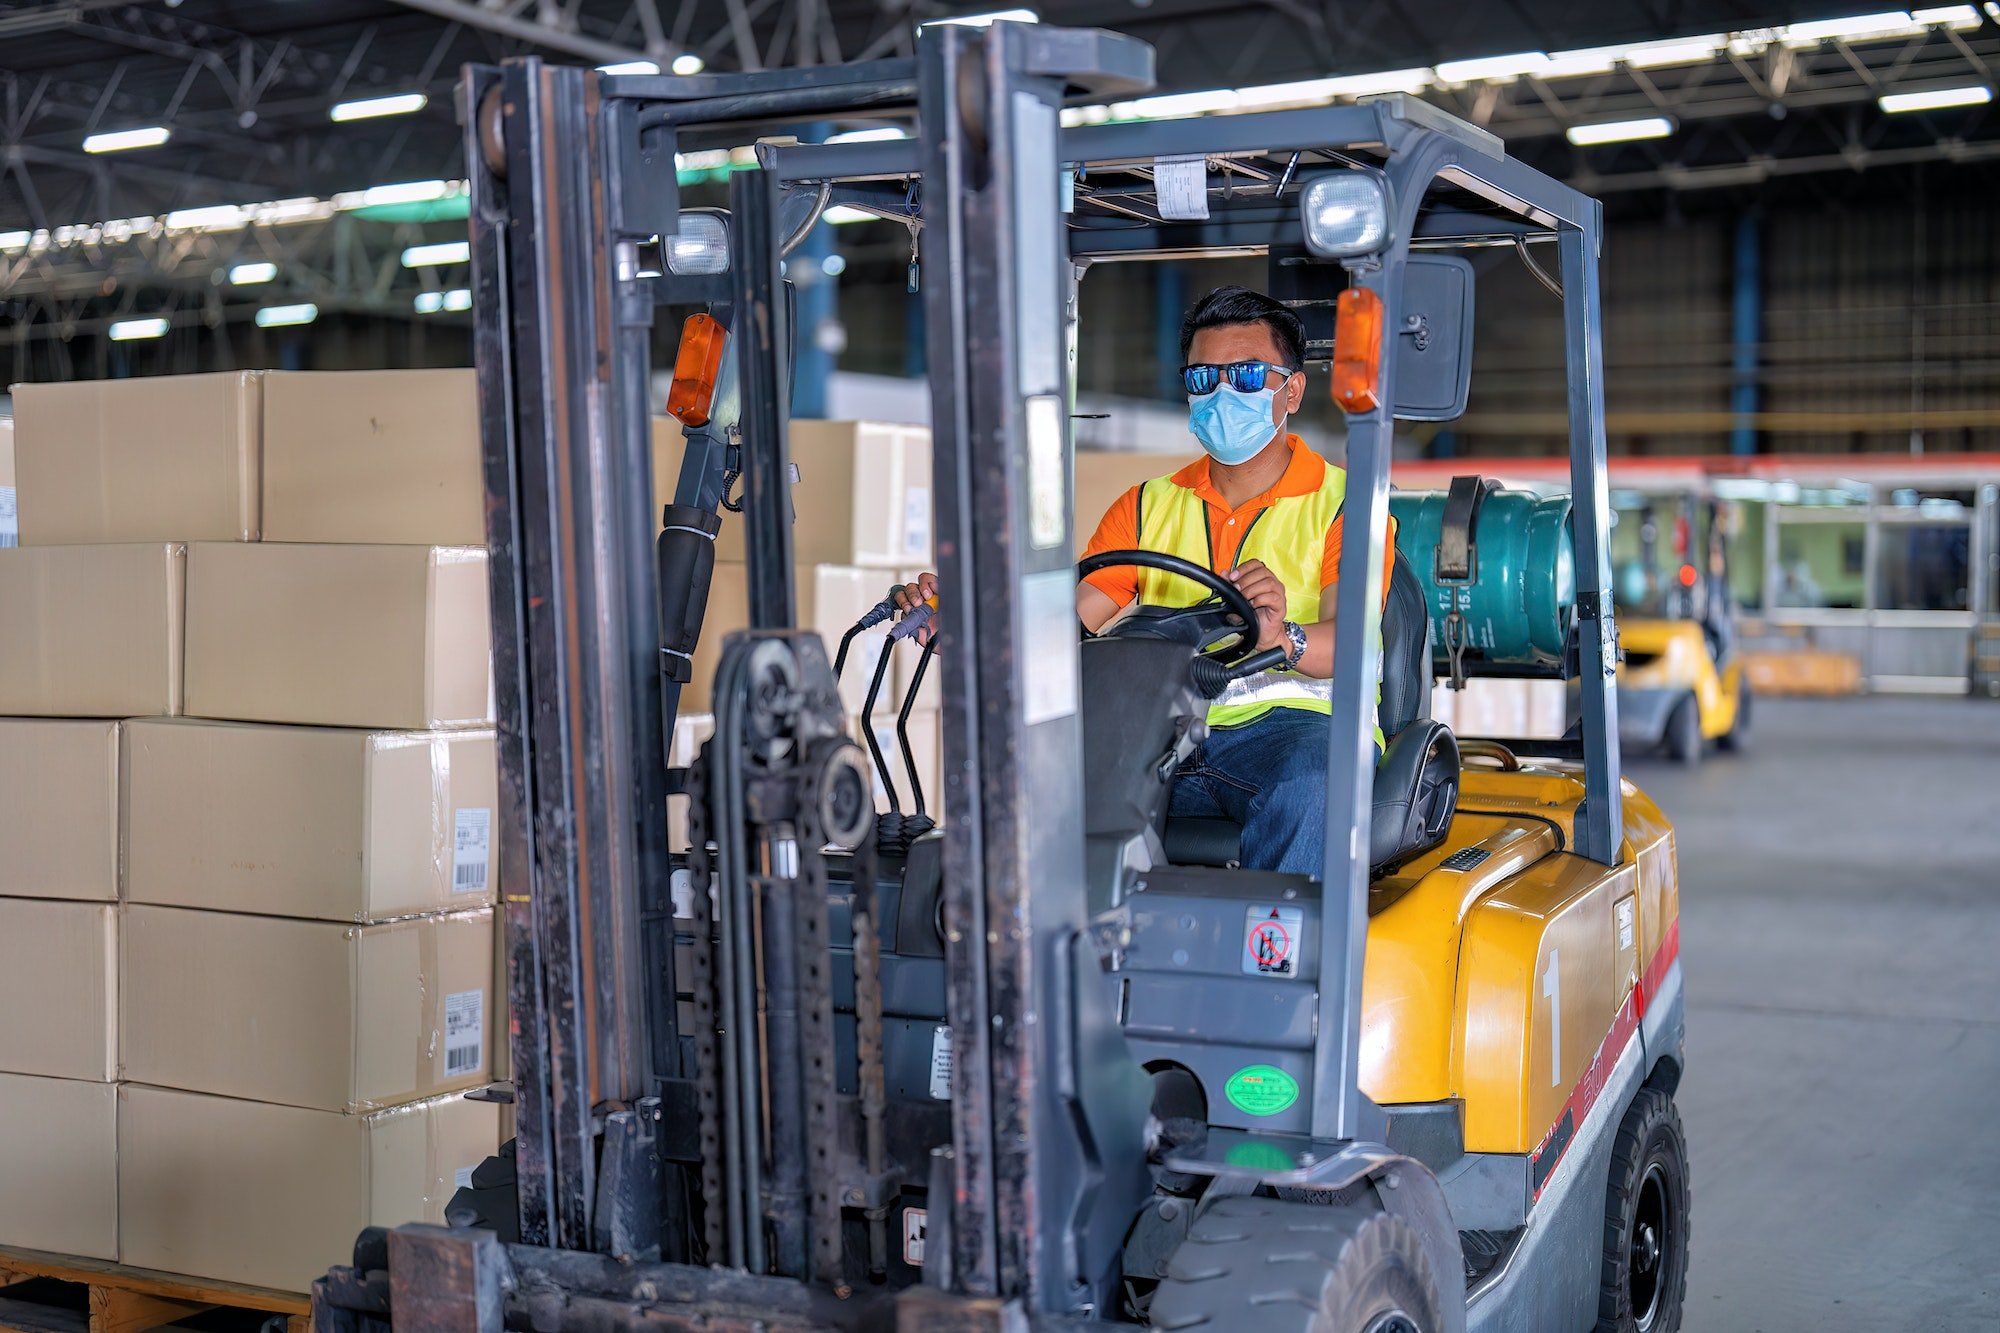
[{"x": 1119, "y": 528}]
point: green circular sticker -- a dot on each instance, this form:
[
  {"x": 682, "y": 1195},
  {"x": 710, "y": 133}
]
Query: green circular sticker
[{"x": 1261, "y": 1090}]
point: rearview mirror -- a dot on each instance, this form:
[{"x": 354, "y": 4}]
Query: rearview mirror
[{"x": 1434, "y": 332}]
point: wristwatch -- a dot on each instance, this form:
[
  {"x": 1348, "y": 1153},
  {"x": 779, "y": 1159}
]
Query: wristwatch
[{"x": 1296, "y": 648}]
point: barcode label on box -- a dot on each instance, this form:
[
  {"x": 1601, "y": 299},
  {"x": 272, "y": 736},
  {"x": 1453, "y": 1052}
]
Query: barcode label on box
[
  {"x": 917, "y": 522},
  {"x": 462, "y": 1178},
  {"x": 471, "y": 842},
  {"x": 464, "y": 1032}
]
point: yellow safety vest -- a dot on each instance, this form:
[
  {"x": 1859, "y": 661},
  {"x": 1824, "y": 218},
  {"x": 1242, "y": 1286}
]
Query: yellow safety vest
[{"x": 1289, "y": 536}]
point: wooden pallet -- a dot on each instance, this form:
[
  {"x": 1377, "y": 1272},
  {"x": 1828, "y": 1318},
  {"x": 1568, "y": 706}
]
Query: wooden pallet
[{"x": 38, "y": 1294}]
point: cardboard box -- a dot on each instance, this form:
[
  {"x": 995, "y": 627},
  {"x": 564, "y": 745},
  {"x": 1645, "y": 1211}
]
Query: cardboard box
[
  {"x": 272, "y": 1196},
  {"x": 91, "y": 631},
  {"x": 1101, "y": 477},
  {"x": 58, "y": 989},
  {"x": 373, "y": 456},
  {"x": 59, "y": 1159},
  {"x": 307, "y": 1013},
  {"x": 863, "y": 495},
  {"x": 170, "y": 458},
  {"x": 59, "y": 809},
  {"x": 10, "y": 531},
  {"x": 345, "y": 636},
  {"x": 308, "y": 821},
  {"x": 830, "y": 599},
  {"x": 1487, "y": 706}
]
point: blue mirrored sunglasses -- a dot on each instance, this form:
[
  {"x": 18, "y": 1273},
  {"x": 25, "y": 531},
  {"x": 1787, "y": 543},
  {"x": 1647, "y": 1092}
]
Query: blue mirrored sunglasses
[{"x": 1243, "y": 376}]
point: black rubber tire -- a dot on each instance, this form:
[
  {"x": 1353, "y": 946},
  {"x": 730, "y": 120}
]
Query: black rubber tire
[
  {"x": 1683, "y": 736},
  {"x": 1646, "y": 1212},
  {"x": 1278, "y": 1266},
  {"x": 1737, "y": 739}
]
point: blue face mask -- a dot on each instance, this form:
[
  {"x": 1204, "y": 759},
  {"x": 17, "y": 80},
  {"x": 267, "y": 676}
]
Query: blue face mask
[{"x": 1232, "y": 426}]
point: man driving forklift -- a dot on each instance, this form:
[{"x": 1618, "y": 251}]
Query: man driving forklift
[{"x": 1260, "y": 507}]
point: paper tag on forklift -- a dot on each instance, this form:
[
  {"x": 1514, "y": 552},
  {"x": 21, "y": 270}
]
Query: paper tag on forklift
[
  {"x": 915, "y": 1222},
  {"x": 941, "y": 1063},
  {"x": 1271, "y": 937},
  {"x": 1181, "y": 186}
]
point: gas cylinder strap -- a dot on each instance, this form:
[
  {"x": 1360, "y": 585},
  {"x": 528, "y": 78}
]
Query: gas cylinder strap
[{"x": 1457, "y": 554}]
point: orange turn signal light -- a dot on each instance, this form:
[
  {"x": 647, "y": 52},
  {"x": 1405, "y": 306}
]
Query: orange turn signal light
[
  {"x": 1687, "y": 576},
  {"x": 697, "y": 365},
  {"x": 1357, "y": 351}
]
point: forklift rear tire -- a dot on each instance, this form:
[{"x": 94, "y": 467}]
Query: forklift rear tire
[
  {"x": 1278, "y": 1266},
  {"x": 1737, "y": 739},
  {"x": 1684, "y": 733},
  {"x": 1646, "y": 1221}
]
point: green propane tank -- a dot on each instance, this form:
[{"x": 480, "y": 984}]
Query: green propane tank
[{"x": 1518, "y": 607}]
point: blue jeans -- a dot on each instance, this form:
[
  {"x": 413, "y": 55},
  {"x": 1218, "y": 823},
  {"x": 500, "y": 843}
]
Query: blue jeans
[{"x": 1269, "y": 776}]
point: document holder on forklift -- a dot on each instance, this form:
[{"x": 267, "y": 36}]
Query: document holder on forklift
[{"x": 1045, "y": 1066}]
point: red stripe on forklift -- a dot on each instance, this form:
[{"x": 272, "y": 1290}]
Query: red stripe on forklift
[{"x": 1588, "y": 1088}]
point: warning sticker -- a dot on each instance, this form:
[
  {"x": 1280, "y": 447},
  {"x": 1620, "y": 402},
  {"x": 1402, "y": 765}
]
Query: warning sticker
[
  {"x": 471, "y": 844},
  {"x": 941, "y": 1063},
  {"x": 1271, "y": 939},
  {"x": 915, "y": 1222},
  {"x": 1625, "y": 914}
]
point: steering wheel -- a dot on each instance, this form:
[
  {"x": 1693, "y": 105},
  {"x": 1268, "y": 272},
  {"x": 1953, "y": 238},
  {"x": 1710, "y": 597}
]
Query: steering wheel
[{"x": 1226, "y": 609}]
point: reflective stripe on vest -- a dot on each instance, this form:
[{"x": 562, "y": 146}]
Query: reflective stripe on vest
[{"x": 1289, "y": 536}]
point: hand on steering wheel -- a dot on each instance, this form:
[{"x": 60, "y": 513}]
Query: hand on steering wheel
[{"x": 1235, "y": 601}]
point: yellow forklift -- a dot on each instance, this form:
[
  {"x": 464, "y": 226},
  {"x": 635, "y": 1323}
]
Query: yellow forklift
[
  {"x": 1058, "y": 1062},
  {"x": 1682, "y": 687}
]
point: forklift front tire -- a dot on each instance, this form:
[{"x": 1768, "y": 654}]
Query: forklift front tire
[
  {"x": 1279, "y": 1266},
  {"x": 1646, "y": 1221},
  {"x": 1684, "y": 733},
  {"x": 1737, "y": 739}
]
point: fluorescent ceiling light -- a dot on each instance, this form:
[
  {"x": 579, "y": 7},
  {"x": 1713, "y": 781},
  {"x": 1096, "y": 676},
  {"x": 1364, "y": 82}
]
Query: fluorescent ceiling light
[
  {"x": 880, "y": 134},
  {"x": 986, "y": 20},
  {"x": 117, "y": 141},
  {"x": 249, "y": 275},
  {"x": 1954, "y": 16},
  {"x": 282, "y": 316},
  {"x": 841, "y": 214},
  {"x": 131, "y": 330},
  {"x": 1186, "y": 104},
  {"x": 444, "y": 252},
  {"x": 1493, "y": 67},
  {"x": 428, "y": 303},
  {"x": 15, "y": 240},
  {"x": 1850, "y": 28},
  {"x": 1620, "y": 131},
  {"x": 219, "y": 217},
  {"x": 292, "y": 210},
  {"x": 398, "y": 104},
  {"x": 458, "y": 298},
  {"x": 630, "y": 67},
  {"x": 408, "y": 192},
  {"x": 688, "y": 63},
  {"x": 1977, "y": 94}
]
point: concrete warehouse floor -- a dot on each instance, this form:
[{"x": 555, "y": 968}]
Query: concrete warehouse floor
[{"x": 1840, "y": 909}]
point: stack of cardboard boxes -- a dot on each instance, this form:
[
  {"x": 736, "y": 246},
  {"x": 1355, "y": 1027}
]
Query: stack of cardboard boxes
[
  {"x": 862, "y": 525},
  {"x": 246, "y": 794}
]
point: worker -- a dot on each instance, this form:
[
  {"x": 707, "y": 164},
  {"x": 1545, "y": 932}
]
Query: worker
[{"x": 1264, "y": 509}]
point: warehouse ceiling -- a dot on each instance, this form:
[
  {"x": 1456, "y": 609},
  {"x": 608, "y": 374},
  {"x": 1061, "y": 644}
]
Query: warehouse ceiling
[{"x": 255, "y": 169}]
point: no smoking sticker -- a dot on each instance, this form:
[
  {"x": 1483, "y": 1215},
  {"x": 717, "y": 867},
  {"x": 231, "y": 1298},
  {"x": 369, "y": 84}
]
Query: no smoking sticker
[{"x": 1271, "y": 940}]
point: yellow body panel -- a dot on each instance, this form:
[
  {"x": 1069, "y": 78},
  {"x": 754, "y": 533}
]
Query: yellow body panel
[
  {"x": 1680, "y": 661},
  {"x": 1471, "y": 975}
]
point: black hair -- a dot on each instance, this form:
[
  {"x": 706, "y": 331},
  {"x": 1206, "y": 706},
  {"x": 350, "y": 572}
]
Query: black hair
[{"x": 1240, "y": 305}]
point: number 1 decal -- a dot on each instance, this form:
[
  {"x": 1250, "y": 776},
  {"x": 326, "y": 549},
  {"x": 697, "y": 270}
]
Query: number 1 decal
[{"x": 1552, "y": 989}]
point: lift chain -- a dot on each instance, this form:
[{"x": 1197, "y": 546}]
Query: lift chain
[
  {"x": 809, "y": 892},
  {"x": 701, "y": 980}
]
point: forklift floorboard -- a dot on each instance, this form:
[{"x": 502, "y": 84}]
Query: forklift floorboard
[{"x": 1840, "y": 903}]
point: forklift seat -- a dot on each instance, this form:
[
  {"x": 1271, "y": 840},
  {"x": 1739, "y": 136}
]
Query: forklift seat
[{"x": 1416, "y": 782}]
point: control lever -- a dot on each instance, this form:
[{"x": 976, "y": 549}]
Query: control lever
[{"x": 1211, "y": 677}]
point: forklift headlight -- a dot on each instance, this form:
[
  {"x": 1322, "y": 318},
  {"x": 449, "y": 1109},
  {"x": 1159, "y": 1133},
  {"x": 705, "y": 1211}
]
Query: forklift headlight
[
  {"x": 701, "y": 246},
  {"x": 1345, "y": 213}
]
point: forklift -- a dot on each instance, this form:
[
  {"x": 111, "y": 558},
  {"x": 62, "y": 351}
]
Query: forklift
[
  {"x": 1683, "y": 686},
  {"x": 1057, "y": 1062}
]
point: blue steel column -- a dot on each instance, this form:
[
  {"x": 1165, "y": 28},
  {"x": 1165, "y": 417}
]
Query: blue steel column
[
  {"x": 1746, "y": 332},
  {"x": 1601, "y": 824},
  {"x": 1170, "y": 302}
]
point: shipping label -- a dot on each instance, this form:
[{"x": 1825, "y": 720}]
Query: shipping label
[
  {"x": 471, "y": 847},
  {"x": 464, "y": 1032}
]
